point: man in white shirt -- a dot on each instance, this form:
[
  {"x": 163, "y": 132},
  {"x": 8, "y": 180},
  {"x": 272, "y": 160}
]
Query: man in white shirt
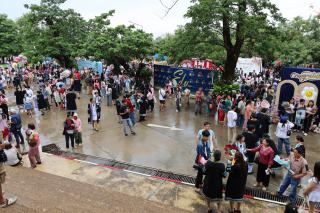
[
  {"x": 232, "y": 124},
  {"x": 212, "y": 138}
]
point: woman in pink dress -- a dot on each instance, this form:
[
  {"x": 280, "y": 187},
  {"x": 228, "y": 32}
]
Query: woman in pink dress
[{"x": 34, "y": 143}]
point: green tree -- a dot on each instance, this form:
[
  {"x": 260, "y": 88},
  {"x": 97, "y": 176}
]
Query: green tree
[
  {"x": 9, "y": 38},
  {"x": 299, "y": 41},
  {"x": 117, "y": 45},
  {"x": 185, "y": 43},
  {"x": 48, "y": 30},
  {"x": 231, "y": 23}
]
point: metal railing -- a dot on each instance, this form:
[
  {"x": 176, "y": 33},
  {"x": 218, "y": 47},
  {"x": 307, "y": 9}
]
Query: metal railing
[{"x": 251, "y": 193}]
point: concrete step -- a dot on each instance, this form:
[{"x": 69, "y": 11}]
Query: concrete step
[
  {"x": 67, "y": 185},
  {"x": 43, "y": 192}
]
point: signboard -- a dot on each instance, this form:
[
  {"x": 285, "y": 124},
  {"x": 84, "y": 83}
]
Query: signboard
[
  {"x": 306, "y": 76},
  {"x": 250, "y": 64},
  {"x": 191, "y": 78},
  {"x": 95, "y": 65},
  {"x": 299, "y": 83}
]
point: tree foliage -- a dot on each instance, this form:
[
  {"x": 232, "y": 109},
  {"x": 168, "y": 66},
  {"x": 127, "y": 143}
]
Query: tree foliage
[
  {"x": 9, "y": 37},
  {"x": 186, "y": 44},
  {"x": 223, "y": 30},
  {"x": 298, "y": 41},
  {"x": 51, "y": 31},
  {"x": 116, "y": 45},
  {"x": 63, "y": 34},
  {"x": 231, "y": 23}
]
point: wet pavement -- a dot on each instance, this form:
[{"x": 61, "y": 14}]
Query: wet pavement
[
  {"x": 156, "y": 147},
  {"x": 66, "y": 185}
]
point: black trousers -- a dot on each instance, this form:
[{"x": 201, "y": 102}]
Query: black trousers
[
  {"x": 307, "y": 123},
  {"x": 71, "y": 137},
  {"x": 199, "y": 178},
  {"x": 5, "y": 110},
  {"x": 151, "y": 104},
  {"x": 262, "y": 177}
]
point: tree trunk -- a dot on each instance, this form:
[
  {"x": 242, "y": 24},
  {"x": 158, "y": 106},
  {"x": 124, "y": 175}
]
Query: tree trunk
[
  {"x": 229, "y": 67},
  {"x": 64, "y": 61}
]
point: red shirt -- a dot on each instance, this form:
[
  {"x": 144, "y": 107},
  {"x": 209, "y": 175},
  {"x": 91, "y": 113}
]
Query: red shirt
[
  {"x": 61, "y": 90},
  {"x": 77, "y": 75},
  {"x": 266, "y": 155},
  {"x": 129, "y": 104}
]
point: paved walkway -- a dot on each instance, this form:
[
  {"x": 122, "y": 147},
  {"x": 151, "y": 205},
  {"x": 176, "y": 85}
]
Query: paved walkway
[
  {"x": 60, "y": 185},
  {"x": 42, "y": 192},
  {"x": 154, "y": 146}
]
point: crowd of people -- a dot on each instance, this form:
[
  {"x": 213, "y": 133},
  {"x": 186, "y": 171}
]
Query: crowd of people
[
  {"x": 47, "y": 88},
  {"x": 252, "y": 110},
  {"x": 249, "y": 111}
]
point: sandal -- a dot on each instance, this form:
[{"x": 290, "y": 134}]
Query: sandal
[{"x": 9, "y": 202}]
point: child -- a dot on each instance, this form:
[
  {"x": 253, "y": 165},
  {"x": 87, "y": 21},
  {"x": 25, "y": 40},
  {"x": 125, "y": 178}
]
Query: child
[{"x": 300, "y": 143}]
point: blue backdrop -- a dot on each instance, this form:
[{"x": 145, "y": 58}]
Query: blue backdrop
[
  {"x": 193, "y": 78},
  {"x": 287, "y": 92},
  {"x": 95, "y": 65}
]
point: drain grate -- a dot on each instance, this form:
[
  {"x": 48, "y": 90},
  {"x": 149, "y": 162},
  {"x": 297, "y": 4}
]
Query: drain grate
[{"x": 161, "y": 174}]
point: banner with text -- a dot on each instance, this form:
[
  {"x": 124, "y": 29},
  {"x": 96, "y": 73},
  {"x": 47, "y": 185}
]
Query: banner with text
[
  {"x": 191, "y": 78},
  {"x": 300, "y": 82}
]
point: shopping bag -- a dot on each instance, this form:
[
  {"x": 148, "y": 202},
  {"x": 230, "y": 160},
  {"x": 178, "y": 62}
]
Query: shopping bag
[{"x": 202, "y": 160}]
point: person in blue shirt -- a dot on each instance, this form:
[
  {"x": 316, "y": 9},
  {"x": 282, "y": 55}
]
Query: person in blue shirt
[
  {"x": 15, "y": 128},
  {"x": 203, "y": 155}
]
